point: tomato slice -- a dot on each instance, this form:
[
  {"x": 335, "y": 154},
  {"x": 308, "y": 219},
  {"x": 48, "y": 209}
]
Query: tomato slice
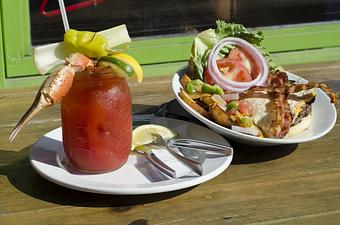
[
  {"x": 247, "y": 61},
  {"x": 233, "y": 69},
  {"x": 231, "y": 112},
  {"x": 207, "y": 78},
  {"x": 245, "y": 108}
]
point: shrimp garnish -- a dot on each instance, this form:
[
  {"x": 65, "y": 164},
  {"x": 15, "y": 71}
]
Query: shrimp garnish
[{"x": 53, "y": 88}]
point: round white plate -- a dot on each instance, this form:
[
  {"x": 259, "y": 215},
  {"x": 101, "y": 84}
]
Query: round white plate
[
  {"x": 323, "y": 118},
  {"x": 137, "y": 176}
]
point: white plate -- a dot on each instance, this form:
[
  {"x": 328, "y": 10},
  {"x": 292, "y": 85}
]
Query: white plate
[
  {"x": 323, "y": 118},
  {"x": 134, "y": 177}
]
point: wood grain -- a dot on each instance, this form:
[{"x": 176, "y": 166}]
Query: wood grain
[{"x": 290, "y": 184}]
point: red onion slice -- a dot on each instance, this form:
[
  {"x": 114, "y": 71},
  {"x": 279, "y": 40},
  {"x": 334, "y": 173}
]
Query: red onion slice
[
  {"x": 219, "y": 101},
  {"x": 230, "y": 97},
  {"x": 230, "y": 85}
]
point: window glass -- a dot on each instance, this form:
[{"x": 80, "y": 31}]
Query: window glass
[{"x": 146, "y": 18}]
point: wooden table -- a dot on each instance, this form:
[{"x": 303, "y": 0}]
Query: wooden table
[{"x": 290, "y": 184}]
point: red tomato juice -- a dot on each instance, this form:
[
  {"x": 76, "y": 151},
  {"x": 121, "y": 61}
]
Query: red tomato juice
[{"x": 97, "y": 121}]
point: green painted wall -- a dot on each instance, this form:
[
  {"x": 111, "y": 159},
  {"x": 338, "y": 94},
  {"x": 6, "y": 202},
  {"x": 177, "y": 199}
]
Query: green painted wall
[
  {"x": 2, "y": 55},
  {"x": 16, "y": 37}
]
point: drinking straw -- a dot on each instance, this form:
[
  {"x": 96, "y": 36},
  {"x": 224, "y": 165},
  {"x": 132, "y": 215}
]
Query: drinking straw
[{"x": 63, "y": 14}]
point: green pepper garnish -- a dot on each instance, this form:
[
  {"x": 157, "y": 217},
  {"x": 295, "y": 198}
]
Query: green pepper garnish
[
  {"x": 232, "y": 105},
  {"x": 197, "y": 82},
  {"x": 191, "y": 88},
  {"x": 88, "y": 43},
  {"x": 246, "y": 121},
  {"x": 207, "y": 88},
  {"x": 218, "y": 90}
]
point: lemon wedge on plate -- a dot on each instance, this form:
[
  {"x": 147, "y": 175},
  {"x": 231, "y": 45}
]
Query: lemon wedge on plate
[
  {"x": 142, "y": 135},
  {"x": 123, "y": 65}
]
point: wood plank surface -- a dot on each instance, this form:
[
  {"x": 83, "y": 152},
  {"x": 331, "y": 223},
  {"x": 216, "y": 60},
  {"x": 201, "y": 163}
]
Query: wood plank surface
[{"x": 289, "y": 184}]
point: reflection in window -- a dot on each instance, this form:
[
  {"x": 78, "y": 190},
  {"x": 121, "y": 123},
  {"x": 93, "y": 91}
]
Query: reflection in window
[{"x": 153, "y": 17}]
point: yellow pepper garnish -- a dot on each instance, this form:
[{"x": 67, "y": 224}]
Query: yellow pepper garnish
[{"x": 88, "y": 43}]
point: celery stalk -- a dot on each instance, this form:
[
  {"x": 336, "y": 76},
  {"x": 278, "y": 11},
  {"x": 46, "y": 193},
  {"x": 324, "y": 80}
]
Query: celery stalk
[
  {"x": 117, "y": 38},
  {"x": 47, "y": 57}
]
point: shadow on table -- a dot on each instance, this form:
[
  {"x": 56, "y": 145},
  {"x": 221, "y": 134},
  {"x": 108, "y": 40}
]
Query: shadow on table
[
  {"x": 244, "y": 154},
  {"x": 17, "y": 168}
]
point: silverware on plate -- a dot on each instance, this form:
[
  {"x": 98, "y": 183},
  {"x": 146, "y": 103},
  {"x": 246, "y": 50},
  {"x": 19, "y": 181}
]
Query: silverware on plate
[
  {"x": 155, "y": 161},
  {"x": 192, "y": 144},
  {"x": 152, "y": 158},
  {"x": 174, "y": 146},
  {"x": 194, "y": 165}
]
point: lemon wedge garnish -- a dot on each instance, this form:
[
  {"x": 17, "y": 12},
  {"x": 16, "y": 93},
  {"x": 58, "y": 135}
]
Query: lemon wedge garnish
[
  {"x": 142, "y": 135},
  {"x": 123, "y": 65}
]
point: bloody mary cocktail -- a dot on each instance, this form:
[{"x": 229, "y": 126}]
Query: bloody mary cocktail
[{"x": 97, "y": 121}]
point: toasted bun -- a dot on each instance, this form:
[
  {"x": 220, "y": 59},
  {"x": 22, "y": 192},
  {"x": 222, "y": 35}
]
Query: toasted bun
[{"x": 298, "y": 128}]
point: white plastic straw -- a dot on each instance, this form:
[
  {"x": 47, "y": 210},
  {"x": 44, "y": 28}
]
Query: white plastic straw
[{"x": 63, "y": 14}]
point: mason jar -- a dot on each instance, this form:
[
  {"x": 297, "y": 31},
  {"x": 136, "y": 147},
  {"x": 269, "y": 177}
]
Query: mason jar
[{"x": 96, "y": 119}]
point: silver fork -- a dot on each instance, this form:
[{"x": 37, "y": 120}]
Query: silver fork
[
  {"x": 195, "y": 166},
  {"x": 155, "y": 161},
  {"x": 193, "y": 144}
]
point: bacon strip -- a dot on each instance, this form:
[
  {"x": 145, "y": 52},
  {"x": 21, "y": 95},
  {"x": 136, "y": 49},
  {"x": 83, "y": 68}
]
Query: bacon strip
[
  {"x": 293, "y": 88},
  {"x": 278, "y": 88},
  {"x": 278, "y": 79},
  {"x": 281, "y": 125},
  {"x": 300, "y": 87}
]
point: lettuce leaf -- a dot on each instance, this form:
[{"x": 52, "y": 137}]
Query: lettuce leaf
[{"x": 205, "y": 40}]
